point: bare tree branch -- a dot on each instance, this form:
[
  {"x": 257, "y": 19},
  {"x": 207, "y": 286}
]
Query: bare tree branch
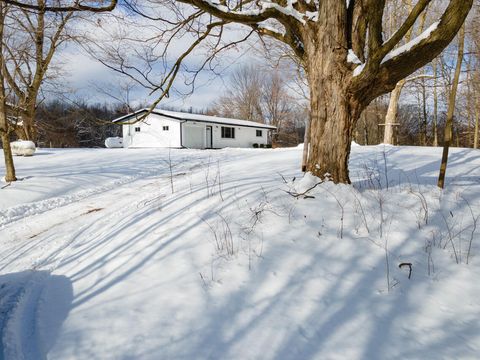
[{"x": 74, "y": 7}]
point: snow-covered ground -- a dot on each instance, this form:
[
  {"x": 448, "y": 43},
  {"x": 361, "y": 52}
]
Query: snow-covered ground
[{"x": 100, "y": 260}]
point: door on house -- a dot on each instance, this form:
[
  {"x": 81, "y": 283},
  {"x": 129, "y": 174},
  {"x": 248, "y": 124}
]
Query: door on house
[{"x": 208, "y": 137}]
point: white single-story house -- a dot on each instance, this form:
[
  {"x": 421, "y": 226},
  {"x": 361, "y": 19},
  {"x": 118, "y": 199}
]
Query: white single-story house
[{"x": 164, "y": 128}]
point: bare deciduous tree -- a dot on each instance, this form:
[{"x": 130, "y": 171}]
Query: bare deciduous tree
[
  {"x": 31, "y": 33},
  {"x": 392, "y": 112},
  {"x": 4, "y": 125},
  {"x": 341, "y": 47},
  {"x": 67, "y": 6},
  {"x": 451, "y": 109},
  {"x": 30, "y": 41},
  {"x": 278, "y": 103},
  {"x": 243, "y": 98},
  {"x": 261, "y": 95}
]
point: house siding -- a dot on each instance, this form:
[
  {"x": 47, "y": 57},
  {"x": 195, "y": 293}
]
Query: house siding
[
  {"x": 190, "y": 134},
  {"x": 244, "y": 137},
  {"x": 151, "y": 133}
]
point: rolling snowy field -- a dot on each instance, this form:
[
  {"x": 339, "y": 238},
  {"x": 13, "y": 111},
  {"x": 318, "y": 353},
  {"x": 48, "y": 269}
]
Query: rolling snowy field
[{"x": 216, "y": 254}]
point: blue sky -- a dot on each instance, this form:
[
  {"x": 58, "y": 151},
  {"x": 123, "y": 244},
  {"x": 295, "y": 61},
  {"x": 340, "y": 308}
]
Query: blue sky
[{"x": 85, "y": 74}]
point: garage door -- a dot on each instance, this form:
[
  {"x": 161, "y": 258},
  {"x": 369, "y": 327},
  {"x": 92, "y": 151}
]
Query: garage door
[{"x": 194, "y": 136}]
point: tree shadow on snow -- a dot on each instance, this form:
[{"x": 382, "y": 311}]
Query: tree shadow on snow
[
  {"x": 311, "y": 302},
  {"x": 33, "y": 307},
  {"x": 374, "y": 170}
]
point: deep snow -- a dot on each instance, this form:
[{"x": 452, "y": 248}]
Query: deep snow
[{"x": 99, "y": 260}]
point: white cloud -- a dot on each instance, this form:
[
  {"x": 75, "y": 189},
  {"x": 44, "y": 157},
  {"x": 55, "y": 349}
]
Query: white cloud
[{"x": 84, "y": 73}]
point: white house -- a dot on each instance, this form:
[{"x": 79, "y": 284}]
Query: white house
[{"x": 162, "y": 128}]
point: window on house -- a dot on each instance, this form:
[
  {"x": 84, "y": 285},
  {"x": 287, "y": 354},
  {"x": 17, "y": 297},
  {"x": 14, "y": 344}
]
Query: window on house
[
  {"x": 259, "y": 133},
  {"x": 165, "y": 128},
  {"x": 228, "y": 132},
  {"x": 137, "y": 129}
]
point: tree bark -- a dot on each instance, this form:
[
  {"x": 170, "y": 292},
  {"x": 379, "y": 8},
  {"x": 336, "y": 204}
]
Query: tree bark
[
  {"x": 333, "y": 119},
  {"x": 306, "y": 144},
  {"x": 423, "y": 124},
  {"x": 4, "y": 127},
  {"x": 451, "y": 108},
  {"x": 7, "y": 153},
  {"x": 365, "y": 130},
  {"x": 333, "y": 113},
  {"x": 477, "y": 118},
  {"x": 392, "y": 111},
  {"x": 435, "y": 104},
  {"x": 391, "y": 117},
  {"x": 28, "y": 129},
  {"x": 476, "y": 105}
]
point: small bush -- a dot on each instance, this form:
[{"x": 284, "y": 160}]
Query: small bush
[
  {"x": 268, "y": 146},
  {"x": 262, "y": 146},
  {"x": 255, "y": 145}
]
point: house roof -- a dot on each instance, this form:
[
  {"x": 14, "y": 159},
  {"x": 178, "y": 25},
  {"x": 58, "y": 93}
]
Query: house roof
[{"x": 192, "y": 117}]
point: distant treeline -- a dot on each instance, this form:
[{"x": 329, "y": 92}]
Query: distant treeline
[
  {"x": 62, "y": 124},
  {"x": 76, "y": 125},
  {"x": 415, "y": 126}
]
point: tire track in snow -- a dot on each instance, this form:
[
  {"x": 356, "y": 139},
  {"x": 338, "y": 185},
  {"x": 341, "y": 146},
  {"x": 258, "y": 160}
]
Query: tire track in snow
[
  {"x": 182, "y": 167},
  {"x": 22, "y": 294},
  {"x": 54, "y": 247},
  {"x": 33, "y": 306},
  {"x": 23, "y": 211},
  {"x": 18, "y": 310},
  {"x": 22, "y": 300}
]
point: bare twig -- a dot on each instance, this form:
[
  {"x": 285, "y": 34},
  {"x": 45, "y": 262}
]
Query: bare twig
[
  {"x": 424, "y": 204},
  {"x": 342, "y": 209},
  {"x": 304, "y": 194},
  {"x": 8, "y": 184},
  {"x": 359, "y": 204},
  {"x": 450, "y": 237},
  {"x": 474, "y": 228}
]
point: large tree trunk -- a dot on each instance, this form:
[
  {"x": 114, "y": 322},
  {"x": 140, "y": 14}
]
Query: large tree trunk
[
  {"x": 333, "y": 116},
  {"x": 333, "y": 112}
]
